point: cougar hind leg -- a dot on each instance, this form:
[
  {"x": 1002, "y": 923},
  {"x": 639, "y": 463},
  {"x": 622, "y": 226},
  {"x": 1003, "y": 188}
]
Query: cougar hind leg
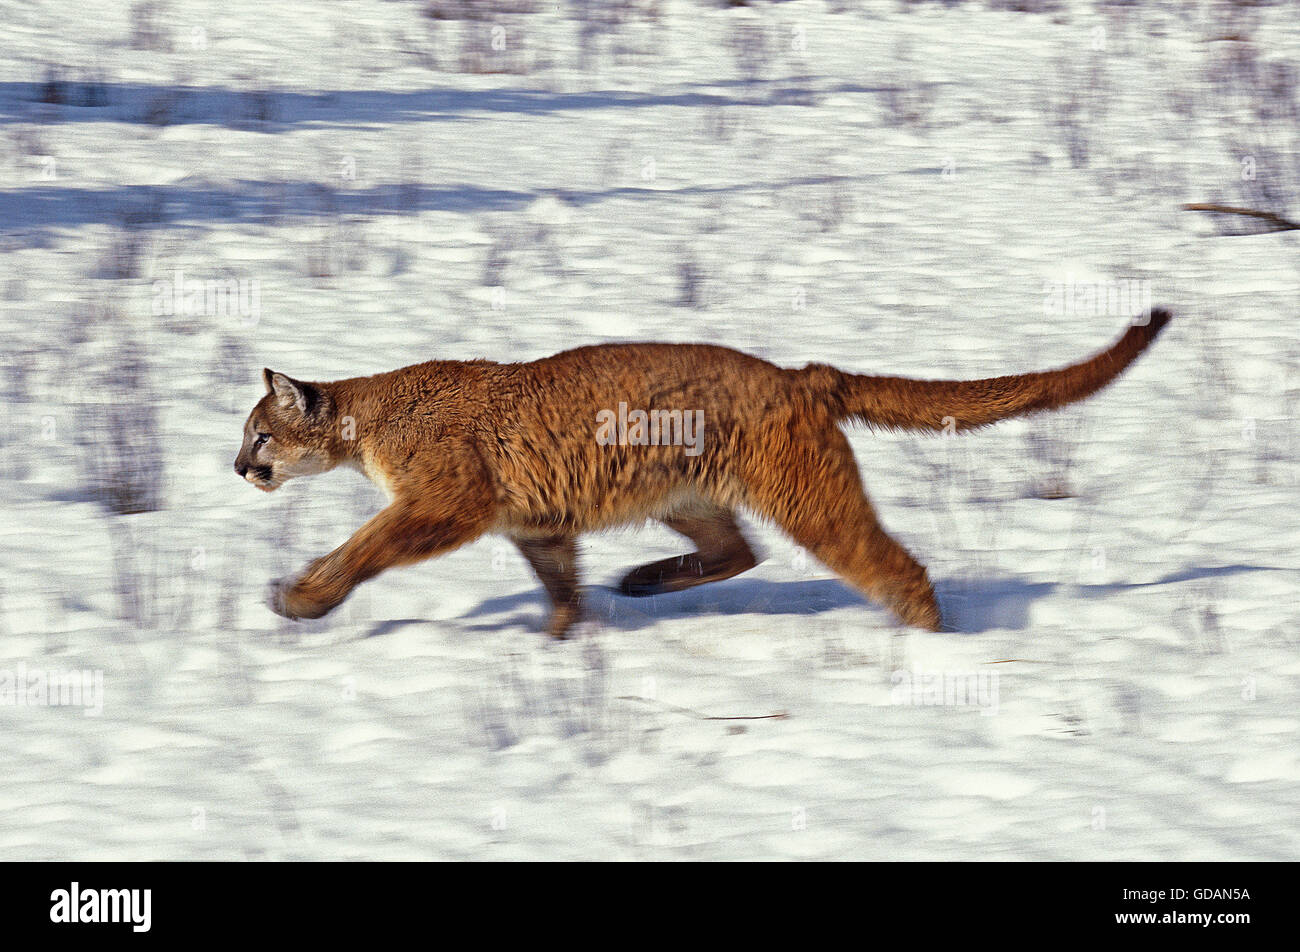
[
  {"x": 815, "y": 494},
  {"x": 721, "y": 552}
]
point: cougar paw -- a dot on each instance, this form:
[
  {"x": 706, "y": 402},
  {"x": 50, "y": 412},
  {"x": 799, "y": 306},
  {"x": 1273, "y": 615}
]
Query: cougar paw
[{"x": 288, "y": 600}]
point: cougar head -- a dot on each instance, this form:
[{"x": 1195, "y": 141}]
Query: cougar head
[{"x": 288, "y": 434}]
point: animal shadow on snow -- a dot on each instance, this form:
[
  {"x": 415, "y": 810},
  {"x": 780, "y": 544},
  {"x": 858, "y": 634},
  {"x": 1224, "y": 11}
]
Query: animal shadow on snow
[{"x": 970, "y": 606}]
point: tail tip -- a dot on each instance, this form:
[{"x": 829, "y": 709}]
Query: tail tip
[{"x": 1153, "y": 321}]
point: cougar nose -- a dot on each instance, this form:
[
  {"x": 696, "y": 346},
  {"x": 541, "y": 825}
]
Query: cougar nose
[{"x": 241, "y": 469}]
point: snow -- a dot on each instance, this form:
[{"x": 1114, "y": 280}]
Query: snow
[{"x": 1141, "y": 632}]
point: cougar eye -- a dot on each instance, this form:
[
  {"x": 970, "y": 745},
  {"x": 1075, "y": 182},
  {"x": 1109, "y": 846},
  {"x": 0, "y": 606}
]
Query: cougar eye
[{"x": 261, "y": 438}]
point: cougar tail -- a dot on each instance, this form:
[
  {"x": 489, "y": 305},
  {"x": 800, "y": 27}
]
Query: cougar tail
[{"x": 906, "y": 404}]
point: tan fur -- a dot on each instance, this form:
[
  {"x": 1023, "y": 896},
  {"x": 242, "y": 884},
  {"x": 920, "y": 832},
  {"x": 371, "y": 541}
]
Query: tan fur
[{"x": 468, "y": 448}]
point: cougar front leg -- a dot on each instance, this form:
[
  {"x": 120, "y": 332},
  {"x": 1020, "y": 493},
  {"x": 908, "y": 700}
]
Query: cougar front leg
[
  {"x": 399, "y": 535},
  {"x": 555, "y": 560},
  {"x": 721, "y": 552}
]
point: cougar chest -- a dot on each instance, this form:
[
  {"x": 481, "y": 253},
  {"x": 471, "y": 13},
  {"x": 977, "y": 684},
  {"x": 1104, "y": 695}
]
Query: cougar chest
[{"x": 369, "y": 467}]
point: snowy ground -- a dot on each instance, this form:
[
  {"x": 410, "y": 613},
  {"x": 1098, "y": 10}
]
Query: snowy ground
[{"x": 893, "y": 188}]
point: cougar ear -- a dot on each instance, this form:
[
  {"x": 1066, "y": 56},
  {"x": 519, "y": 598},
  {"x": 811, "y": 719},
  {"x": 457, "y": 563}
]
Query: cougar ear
[{"x": 290, "y": 392}]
